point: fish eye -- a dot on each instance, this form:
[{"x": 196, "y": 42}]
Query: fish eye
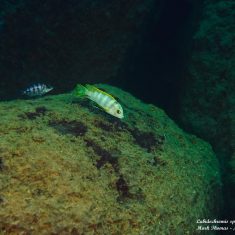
[{"x": 118, "y": 111}]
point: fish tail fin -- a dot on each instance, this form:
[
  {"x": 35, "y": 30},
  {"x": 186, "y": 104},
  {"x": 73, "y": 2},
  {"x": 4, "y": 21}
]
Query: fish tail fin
[{"x": 80, "y": 91}]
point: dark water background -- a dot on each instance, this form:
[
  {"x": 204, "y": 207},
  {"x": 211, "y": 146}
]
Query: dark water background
[
  {"x": 155, "y": 66},
  {"x": 36, "y": 41}
]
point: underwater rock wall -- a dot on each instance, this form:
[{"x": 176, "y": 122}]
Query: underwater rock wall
[
  {"x": 207, "y": 102},
  {"x": 69, "y": 168},
  {"x": 66, "y": 42}
]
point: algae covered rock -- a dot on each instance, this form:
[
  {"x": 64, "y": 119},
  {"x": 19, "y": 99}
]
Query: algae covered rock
[{"x": 69, "y": 168}]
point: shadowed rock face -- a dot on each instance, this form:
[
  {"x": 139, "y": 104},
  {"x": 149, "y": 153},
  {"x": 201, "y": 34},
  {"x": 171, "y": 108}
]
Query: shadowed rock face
[
  {"x": 68, "y": 168},
  {"x": 208, "y": 101},
  {"x": 73, "y": 41}
]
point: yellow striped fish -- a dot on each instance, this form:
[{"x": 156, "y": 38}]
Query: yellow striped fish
[{"x": 103, "y": 99}]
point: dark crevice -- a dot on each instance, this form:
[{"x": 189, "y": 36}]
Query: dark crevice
[
  {"x": 112, "y": 125},
  {"x": 147, "y": 140},
  {"x": 73, "y": 127},
  {"x": 39, "y": 112},
  {"x": 121, "y": 184},
  {"x": 122, "y": 187},
  {"x": 105, "y": 156},
  {"x": 1, "y": 164},
  {"x": 124, "y": 191}
]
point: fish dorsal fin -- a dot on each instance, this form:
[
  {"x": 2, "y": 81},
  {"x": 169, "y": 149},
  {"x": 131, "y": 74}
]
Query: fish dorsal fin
[{"x": 93, "y": 88}]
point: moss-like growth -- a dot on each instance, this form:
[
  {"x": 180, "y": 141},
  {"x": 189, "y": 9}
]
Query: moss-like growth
[{"x": 73, "y": 170}]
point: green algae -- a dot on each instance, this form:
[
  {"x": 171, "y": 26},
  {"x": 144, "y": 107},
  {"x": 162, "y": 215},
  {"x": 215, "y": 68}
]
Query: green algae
[{"x": 67, "y": 168}]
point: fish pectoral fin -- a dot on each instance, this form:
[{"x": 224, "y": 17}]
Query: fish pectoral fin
[
  {"x": 100, "y": 107},
  {"x": 96, "y": 106}
]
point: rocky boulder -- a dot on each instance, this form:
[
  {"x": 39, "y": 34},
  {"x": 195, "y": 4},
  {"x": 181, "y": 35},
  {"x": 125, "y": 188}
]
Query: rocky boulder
[{"x": 69, "y": 168}]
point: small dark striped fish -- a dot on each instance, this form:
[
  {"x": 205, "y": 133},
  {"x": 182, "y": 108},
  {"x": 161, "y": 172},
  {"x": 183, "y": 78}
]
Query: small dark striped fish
[{"x": 37, "y": 90}]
